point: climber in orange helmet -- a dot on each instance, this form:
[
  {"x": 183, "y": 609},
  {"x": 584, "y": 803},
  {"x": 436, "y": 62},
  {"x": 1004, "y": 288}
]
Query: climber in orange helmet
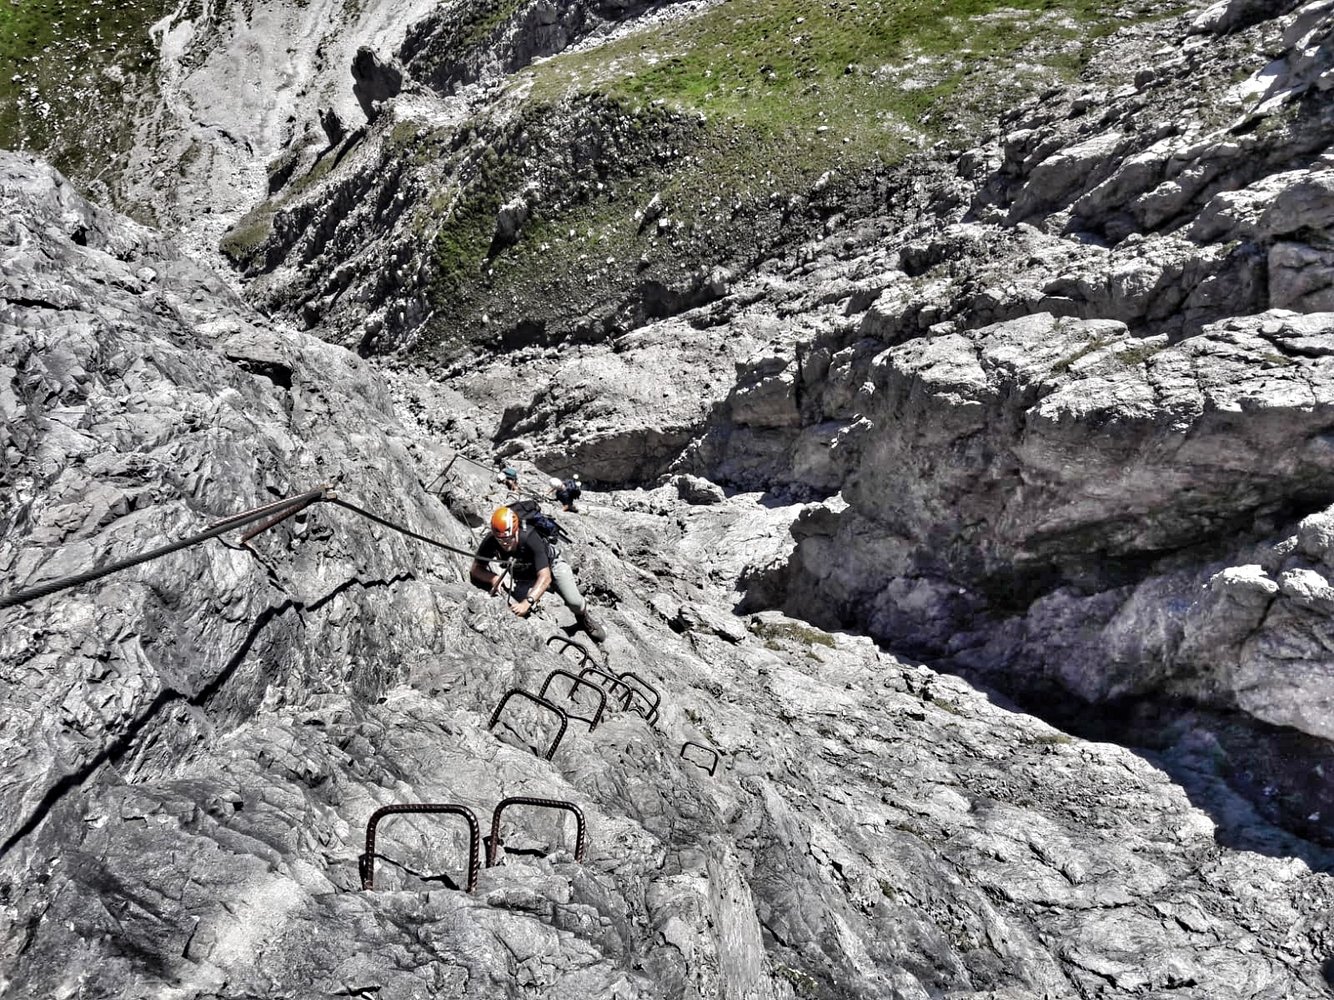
[{"x": 535, "y": 564}]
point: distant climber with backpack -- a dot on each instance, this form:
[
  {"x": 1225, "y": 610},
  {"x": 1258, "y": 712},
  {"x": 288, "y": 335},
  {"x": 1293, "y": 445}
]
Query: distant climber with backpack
[
  {"x": 566, "y": 492},
  {"x": 535, "y": 563}
]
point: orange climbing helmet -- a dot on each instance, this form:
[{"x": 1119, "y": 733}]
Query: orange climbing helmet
[{"x": 505, "y": 524}]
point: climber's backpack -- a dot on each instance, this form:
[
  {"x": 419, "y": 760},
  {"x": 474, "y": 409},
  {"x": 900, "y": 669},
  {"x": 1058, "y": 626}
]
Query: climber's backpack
[
  {"x": 530, "y": 513},
  {"x": 570, "y": 491}
]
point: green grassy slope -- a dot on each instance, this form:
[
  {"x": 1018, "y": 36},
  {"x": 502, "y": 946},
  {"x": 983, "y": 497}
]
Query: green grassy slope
[
  {"x": 741, "y": 106},
  {"x": 74, "y": 73}
]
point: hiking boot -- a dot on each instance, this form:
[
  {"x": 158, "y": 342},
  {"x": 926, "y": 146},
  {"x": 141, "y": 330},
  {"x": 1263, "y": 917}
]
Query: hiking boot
[{"x": 593, "y": 629}]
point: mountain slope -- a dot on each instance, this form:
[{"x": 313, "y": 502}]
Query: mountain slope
[{"x": 195, "y": 746}]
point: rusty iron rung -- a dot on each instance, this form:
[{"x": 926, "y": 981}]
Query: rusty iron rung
[
  {"x": 366, "y": 863},
  {"x": 716, "y": 756},
  {"x": 575, "y": 682},
  {"x": 616, "y": 682},
  {"x": 643, "y": 688},
  {"x": 567, "y": 642},
  {"x": 560, "y": 712},
  {"x": 648, "y": 688},
  {"x": 493, "y": 843},
  {"x": 648, "y": 713}
]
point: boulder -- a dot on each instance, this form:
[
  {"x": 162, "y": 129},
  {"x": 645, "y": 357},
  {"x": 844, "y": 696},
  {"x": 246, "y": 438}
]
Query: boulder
[{"x": 374, "y": 81}]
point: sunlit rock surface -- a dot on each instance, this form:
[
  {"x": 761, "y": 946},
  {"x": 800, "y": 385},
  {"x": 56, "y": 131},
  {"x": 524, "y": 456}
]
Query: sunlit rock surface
[{"x": 193, "y": 747}]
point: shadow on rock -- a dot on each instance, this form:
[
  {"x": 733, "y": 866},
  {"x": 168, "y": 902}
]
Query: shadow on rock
[{"x": 1267, "y": 788}]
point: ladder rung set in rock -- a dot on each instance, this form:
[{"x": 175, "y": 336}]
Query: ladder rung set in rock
[
  {"x": 632, "y": 685},
  {"x": 708, "y": 749},
  {"x": 493, "y": 842},
  {"x": 539, "y": 700},
  {"x": 575, "y": 682},
  {"x": 616, "y": 682},
  {"x": 566, "y": 642},
  {"x": 367, "y": 861},
  {"x": 643, "y": 689}
]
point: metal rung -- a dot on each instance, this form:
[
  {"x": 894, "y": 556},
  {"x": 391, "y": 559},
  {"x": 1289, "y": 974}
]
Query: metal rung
[
  {"x": 560, "y": 712},
  {"x": 367, "y": 860},
  {"x": 574, "y": 685},
  {"x": 716, "y": 756},
  {"x": 494, "y": 844},
  {"x": 616, "y": 682},
  {"x": 644, "y": 689},
  {"x": 567, "y": 643}
]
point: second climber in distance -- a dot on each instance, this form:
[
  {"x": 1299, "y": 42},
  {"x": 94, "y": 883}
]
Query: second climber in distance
[{"x": 535, "y": 564}]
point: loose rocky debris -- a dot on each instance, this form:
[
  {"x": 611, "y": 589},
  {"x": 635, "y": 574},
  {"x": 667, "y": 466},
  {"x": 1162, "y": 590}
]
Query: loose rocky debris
[
  {"x": 1056, "y": 416},
  {"x": 194, "y": 747},
  {"x": 1064, "y": 405}
]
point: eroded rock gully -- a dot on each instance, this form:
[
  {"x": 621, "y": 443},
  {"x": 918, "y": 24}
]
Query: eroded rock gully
[
  {"x": 1058, "y": 428},
  {"x": 194, "y": 747},
  {"x": 1072, "y": 419}
]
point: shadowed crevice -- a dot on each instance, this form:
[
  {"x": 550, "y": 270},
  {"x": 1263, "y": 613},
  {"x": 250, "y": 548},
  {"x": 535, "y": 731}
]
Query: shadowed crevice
[{"x": 121, "y": 745}]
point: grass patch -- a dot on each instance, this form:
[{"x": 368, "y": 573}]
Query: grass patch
[
  {"x": 74, "y": 71},
  {"x": 1051, "y": 739},
  {"x": 802, "y": 984},
  {"x": 1063, "y": 366},
  {"x": 831, "y": 80},
  {"x": 790, "y": 632},
  {"x": 248, "y": 235},
  {"x": 1138, "y": 354},
  {"x": 725, "y": 115},
  {"x": 483, "y": 18},
  {"x": 439, "y": 49}
]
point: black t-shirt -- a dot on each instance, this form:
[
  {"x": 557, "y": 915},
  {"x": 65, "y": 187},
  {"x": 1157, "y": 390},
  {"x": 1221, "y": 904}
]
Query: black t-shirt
[{"x": 530, "y": 556}]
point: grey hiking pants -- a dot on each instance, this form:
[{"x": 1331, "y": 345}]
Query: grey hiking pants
[{"x": 562, "y": 578}]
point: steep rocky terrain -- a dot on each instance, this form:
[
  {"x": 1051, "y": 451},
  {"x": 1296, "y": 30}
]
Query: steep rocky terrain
[
  {"x": 1048, "y": 409},
  {"x": 1070, "y": 398},
  {"x": 547, "y": 174},
  {"x": 196, "y": 745}
]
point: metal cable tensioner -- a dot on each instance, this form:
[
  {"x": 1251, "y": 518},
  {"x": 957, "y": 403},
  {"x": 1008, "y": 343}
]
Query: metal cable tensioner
[{"x": 271, "y": 514}]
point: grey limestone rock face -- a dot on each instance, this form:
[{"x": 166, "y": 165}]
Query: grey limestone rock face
[
  {"x": 1060, "y": 417},
  {"x": 1048, "y": 420},
  {"x": 1055, "y": 447},
  {"x": 458, "y": 45},
  {"x": 237, "y": 88},
  {"x": 193, "y": 747},
  {"x": 1041, "y": 421},
  {"x": 1230, "y": 15}
]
